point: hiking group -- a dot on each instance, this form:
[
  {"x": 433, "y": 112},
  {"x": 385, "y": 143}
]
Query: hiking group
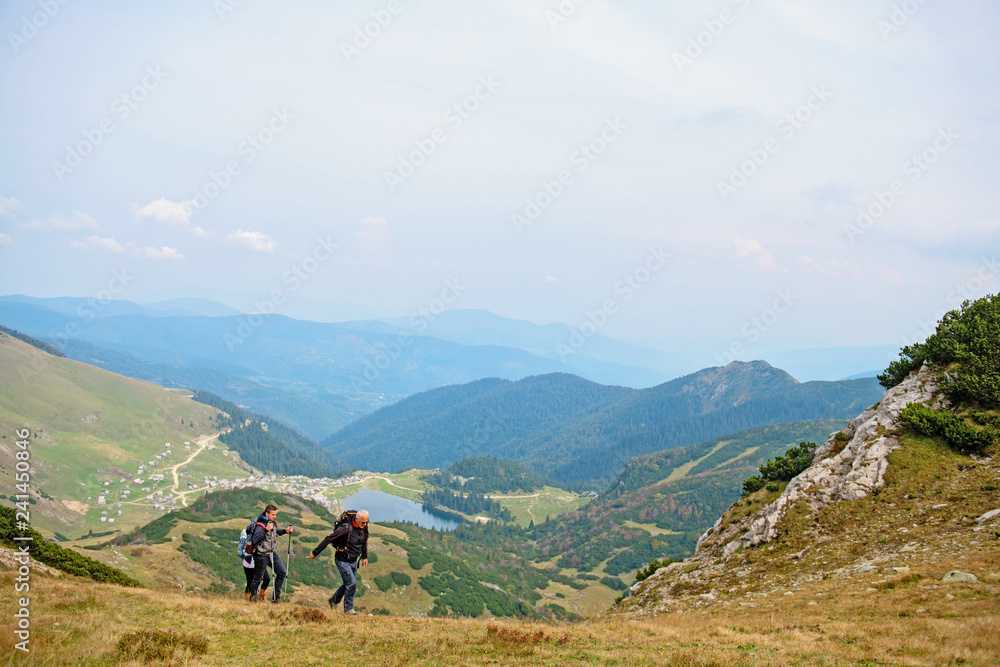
[{"x": 258, "y": 551}]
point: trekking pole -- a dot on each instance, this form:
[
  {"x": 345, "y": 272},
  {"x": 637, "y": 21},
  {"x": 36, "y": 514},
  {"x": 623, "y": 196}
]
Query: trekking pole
[{"x": 288, "y": 556}]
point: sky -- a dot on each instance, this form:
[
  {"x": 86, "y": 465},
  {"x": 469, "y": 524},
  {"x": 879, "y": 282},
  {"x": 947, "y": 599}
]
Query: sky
[{"x": 741, "y": 175}]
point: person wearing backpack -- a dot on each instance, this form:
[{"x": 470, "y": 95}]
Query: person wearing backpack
[
  {"x": 248, "y": 570},
  {"x": 350, "y": 540},
  {"x": 246, "y": 559},
  {"x": 262, "y": 547}
]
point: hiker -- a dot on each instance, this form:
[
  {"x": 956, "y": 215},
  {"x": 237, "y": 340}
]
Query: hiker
[
  {"x": 262, "y": 545},
  {"x": 350, "y": 540},
  {"x": 248, "y": 570}
]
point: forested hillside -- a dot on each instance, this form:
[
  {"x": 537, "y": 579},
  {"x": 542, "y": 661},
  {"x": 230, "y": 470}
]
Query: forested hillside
[
  {"x": 662, "y": 503},
  {"x": 581, "y": 434},
  {"x": 493, "y": 416},
  {"x": 485, "y": 474},
  {"x": 269, "y": 445}
]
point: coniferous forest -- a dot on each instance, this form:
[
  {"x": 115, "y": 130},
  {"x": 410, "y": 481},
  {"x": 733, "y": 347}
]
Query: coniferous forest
[{"x": 269, "y": 445}]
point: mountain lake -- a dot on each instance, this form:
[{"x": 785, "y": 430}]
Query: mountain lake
[{"x": 383, "y": 507}]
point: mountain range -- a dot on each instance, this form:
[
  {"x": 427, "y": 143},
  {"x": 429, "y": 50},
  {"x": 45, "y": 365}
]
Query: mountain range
[
  {"x": 316, "y": 377},
  {"x": 319, "y": 377},
  {"x": 580, "y": 433}
]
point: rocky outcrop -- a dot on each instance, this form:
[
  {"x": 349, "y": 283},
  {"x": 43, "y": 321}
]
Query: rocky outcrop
[
  {"x": 850, "y": 465},
  {"x": 851, "y": 473},
  {"x": 11, "y": 560}
]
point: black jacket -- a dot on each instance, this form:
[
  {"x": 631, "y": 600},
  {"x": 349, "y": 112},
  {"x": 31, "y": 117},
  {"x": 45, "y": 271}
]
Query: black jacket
[{"x": 349, "y": 541}]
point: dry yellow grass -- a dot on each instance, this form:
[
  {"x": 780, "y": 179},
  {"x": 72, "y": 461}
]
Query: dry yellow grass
[{"x": 79, "y": 622}]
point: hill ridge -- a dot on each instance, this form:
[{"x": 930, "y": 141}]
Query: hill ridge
[
  {"x": 581, "y": 433},
  {"x": 851, "y": 495}
]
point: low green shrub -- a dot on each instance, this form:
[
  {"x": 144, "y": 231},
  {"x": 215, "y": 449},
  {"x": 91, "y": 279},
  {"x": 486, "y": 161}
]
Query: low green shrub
[
  {"x": 961, "y": 437},
  {"x": 614, "y": 583},
  {"x": 782, "y": 469},
  {"x": 60, "y": 558},
  {"x": 416, "y": 559},
  {"x": 384, "y": 582},
  {"x": 654, "y": 565},
  {"x": 752, "y": 485}
]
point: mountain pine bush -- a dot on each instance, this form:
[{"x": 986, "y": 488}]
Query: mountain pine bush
[
  {"x": 961, "y": 437},
  {"x": 782, "y": 469},
  {"x": 644, "y": 573},
  {"x": 966, "y": 344},
  {"x": 56, "y": 556}
]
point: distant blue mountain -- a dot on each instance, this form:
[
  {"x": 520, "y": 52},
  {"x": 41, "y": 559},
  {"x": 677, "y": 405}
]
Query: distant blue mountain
[
  {"x": 361, "y": 365},
  {"x": 89, "y": 308},
  {"x": 190, "y": 307},
  {"x": 596, "y": 357}
]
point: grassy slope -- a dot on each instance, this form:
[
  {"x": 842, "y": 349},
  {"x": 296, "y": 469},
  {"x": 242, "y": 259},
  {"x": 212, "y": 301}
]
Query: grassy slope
[
  {"x": 88, "y": 426},
  {"x": 548, "y": 501},
  {"x": 79, "y": 622},
  {"x": 838, "y": 619},
  {"x": 923, "y": 521}
]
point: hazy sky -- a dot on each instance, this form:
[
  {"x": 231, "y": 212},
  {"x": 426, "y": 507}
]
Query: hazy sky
[{"x": 684, "y": 166}]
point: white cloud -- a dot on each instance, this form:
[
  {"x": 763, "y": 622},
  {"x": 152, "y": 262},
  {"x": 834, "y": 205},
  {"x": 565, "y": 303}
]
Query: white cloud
[
  {"x": 148, "y": 252},
  {"x": 8, "y": 205},
  {"x": 5, "y": 238},
  {"x": 256, "y": 241},
  {"x": 761, "y": 258},
  {"x": 172, "y": 214},
  {"x": 108, "y": 243},
  {"x": 58, "y": 223},
  {"x": 161, "y": 253},
  {"x": 372, "y": 242},
  {"x": 551, "y": 279},
  {"x": 78, "y": 244}
]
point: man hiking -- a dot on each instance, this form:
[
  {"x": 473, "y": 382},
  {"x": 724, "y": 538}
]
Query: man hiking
[
  {"x": 350, "y": 540},
  {"x": 262, "y": 545}
]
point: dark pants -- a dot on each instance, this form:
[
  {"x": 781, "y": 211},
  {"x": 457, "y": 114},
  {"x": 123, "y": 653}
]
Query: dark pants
[
  {"x": 248, "y": 571},
  {"x": 260, "y": 565},
  {"x": 349, "y": 573}
]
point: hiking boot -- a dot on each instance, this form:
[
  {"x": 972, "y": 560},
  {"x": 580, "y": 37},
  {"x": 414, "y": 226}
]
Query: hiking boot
[
  {"x": 351, "y": 612},
  {"x": 262, "y": 594},
  {"x": 337, "y": 596},
  {"x": 246, "y": 597},
  {"x": 276, "y": 601},
  {"x": 332, "y": 601}
]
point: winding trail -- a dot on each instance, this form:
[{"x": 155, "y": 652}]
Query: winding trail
[{"x": 203, "y": 442}]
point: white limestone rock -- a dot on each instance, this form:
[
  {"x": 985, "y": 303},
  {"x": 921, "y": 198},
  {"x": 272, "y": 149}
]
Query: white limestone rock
[{"x": 853, "y": 473}]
